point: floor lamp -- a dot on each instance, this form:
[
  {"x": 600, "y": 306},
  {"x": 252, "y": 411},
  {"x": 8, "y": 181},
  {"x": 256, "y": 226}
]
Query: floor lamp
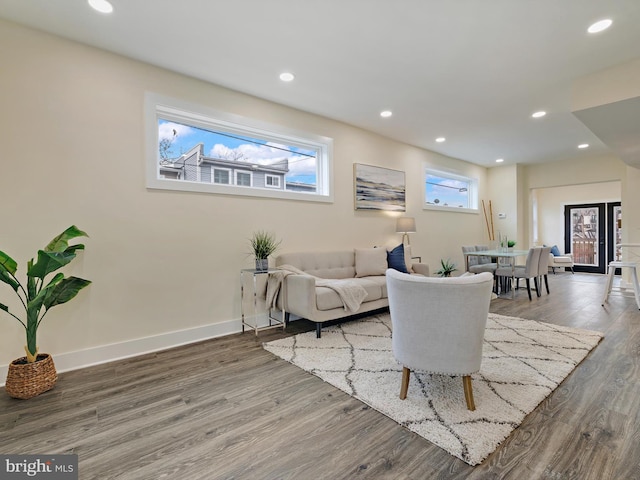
[{"x": 406, "y": 225}]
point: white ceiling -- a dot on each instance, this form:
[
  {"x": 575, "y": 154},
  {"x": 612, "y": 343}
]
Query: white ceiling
[{"x": 472, "y": 71}]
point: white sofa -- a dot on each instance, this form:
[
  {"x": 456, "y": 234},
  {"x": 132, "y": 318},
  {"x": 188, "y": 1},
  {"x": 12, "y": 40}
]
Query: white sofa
[{"x": 299, "y": 294}]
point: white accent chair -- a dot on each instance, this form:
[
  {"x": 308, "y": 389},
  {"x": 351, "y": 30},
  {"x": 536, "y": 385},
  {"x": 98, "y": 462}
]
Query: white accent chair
[
  {"x": 527, "y": 271},
  {"x": 561, "y": 261},
  {"x": 438, "y": 325}
]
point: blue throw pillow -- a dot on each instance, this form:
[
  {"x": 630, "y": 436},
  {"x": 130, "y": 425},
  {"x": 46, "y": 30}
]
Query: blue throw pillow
[
  {"x": 555, "y": 252},
  {"x": 395, "y": 259}
]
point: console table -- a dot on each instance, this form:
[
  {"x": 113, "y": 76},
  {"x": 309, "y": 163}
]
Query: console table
[{"x": 273, "y": 322}]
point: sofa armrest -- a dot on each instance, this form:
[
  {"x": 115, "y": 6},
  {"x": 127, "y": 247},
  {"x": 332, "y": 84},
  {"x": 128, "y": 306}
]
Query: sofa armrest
[
  {"x": 420, "y": 268},
  {"x": 300, "y": 295}
]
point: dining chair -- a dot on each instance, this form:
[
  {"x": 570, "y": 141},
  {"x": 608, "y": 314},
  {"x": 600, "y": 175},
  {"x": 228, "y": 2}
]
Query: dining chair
[
  {"x": 543, "y": 269},
  {"x": 527, "y": 271},
  {"x": 478, "y": 264}
]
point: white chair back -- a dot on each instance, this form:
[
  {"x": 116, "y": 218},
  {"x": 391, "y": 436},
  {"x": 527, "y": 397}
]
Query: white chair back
[{"x": 438, "y": 323}]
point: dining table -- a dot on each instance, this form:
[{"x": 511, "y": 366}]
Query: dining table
[{"x": 508, "y": 254}]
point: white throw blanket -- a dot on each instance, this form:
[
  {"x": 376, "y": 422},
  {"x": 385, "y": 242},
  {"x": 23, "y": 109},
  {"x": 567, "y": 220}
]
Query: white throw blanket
[{"x": 351, "y": 293}]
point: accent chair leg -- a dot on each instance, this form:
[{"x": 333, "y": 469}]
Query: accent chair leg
[
  {"x": 572, "y": 272},
  {"x": 468, "y": 392},
  {"x": 546, "y": 283},
  {"x": 537, "y": 283},
  {"x": 404, "y": 388},
  {"x": 318, "y": 329},
  {"x": 529, "y": 288}
]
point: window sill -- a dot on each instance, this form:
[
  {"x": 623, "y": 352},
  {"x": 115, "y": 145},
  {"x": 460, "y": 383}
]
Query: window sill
[{"x": 451, "y": 209}]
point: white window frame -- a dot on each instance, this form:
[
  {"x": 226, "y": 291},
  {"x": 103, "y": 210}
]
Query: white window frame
[
  {"x": 213, "y": 174},
  {"x": 473, "y": 191},
  {"x": 244, "y": 172},
  {"x": 158, "y": 106},
  {"x": 273, "y": 177}
]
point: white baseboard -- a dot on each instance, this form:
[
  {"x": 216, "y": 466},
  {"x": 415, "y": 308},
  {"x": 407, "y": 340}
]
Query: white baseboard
[{"x": 131, "y": 348}]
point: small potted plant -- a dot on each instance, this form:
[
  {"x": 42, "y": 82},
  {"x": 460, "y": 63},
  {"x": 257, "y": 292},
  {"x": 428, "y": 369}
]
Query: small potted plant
[
  {"x": 511, "y": 244},
  {"x": 34, "y": 374},
  {"x": 263, "y": 244},
  {"x": 447, "y": 267}
]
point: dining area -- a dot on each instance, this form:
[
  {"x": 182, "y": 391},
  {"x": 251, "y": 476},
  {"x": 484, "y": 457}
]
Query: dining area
[{"x": 507, "y": 272}]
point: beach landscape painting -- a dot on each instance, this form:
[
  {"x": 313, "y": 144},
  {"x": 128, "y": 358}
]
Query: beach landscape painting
[{"x": 378, "y": 188}]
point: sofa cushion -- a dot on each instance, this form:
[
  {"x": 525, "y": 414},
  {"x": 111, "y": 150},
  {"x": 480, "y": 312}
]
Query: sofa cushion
[
  {"x": 395, "y": 259},
  {"x": 336, "y": 264},
  {"x": 328, "y": 299},
  {"x": 555, "y": 251},
  {"x": 370, "y": 261},
  {"x": 562, "y": 259}
]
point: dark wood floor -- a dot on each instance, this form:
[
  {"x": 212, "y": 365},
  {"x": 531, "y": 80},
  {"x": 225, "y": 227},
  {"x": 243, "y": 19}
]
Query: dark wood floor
[{"x": 227, "y": 409}]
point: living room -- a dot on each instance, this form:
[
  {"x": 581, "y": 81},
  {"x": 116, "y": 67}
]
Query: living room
[{"x": 165, "y": 264}]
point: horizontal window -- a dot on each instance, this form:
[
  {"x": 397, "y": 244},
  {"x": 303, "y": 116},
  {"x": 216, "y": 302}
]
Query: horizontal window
[
  {"x": 448, "y": 191},
  {"x": 194, "y": 148}
]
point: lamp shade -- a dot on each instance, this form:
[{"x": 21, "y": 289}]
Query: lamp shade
[{"x": 406, "y": 225}]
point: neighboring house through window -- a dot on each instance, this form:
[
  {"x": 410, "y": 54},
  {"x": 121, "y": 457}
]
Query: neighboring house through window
[
  {"x": 194, "y": 148},
  {"x": 272, "y": 181},
  {"x": 243, "y": 178}
]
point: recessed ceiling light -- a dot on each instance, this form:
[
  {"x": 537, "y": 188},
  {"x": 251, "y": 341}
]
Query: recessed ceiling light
[
  {"x": 101, "y": 6},
  {"x": 499, "y": 160},
  {"x": 539, "y": 114},
  {"x": 440, "y": 139},
  {"x": 386, "y": 113},
  {"x": 287, "y": 76},
  {"x": 600, "y": 25},
  {"x": 583, "y": 145}
]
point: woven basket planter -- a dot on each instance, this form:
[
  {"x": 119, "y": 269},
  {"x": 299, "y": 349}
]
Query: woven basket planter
[{"x": 26, "y": 380}]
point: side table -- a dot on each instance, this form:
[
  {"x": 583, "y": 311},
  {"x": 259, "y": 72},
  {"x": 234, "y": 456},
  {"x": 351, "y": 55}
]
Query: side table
[{"x": 273, "y": 322}]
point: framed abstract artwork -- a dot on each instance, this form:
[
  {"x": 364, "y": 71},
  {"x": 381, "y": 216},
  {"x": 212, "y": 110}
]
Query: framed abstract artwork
[{"x": 378, "y": 188}]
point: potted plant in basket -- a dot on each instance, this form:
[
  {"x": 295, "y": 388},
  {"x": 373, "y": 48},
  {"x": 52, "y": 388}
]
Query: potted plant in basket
[
  {"x": 263, "y": 244},
  {"x": 31, "y": 375},
  {"x": 447, "y": 267}
]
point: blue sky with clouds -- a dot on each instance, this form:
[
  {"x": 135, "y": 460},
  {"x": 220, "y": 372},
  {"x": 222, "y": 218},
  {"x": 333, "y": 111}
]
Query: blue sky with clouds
[{"x": 302, "y": 168}]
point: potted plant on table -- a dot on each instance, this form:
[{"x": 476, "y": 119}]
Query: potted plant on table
[
  {"x": 263, "y": 244},
  {"x": 447, "y": 267},
  {"x": 34, "y": 374}
]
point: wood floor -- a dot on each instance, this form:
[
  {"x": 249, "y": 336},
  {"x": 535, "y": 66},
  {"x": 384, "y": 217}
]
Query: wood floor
[{"x": 227, "y": 409}]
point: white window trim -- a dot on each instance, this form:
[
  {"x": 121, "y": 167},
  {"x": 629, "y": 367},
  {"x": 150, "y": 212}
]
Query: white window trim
[
  {"x": 276, "y": 177},
  {"x": 213, "y": 173},
  {"x": 473, "y": 191},
  {"x": 159, "y": 106},
  {"x": 248, "y": 172}
]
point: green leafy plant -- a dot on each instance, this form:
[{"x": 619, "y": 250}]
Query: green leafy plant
[
  {"x": 511, "y": 243},
  {"x": 40, "y": 296},
  {"x": 447, "y": 267},
  {"x": 263, "y": 244}
]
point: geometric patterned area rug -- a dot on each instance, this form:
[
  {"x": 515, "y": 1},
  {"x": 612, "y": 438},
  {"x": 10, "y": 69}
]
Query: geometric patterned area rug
[{"x": 523, "y": 362}]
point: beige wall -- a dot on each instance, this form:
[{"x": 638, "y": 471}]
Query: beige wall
[
  {"x": 502, "y": 185},
  {"x": 550, "y": 203},
  {"x": 613, "y": 84},
  {"x": 160, "y": 261},
  {"x": 590, "y": 172}
]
